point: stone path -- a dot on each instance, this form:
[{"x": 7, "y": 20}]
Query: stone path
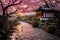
[{"x": 25, "y": 31}]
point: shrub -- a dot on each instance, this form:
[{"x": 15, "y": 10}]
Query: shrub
[
  {"x": 35, "y": 24},
  {"x": 13, "y": 24},
  {"x": 50, "y": 29},
  {"x": 57, "y": 33},
  {"x": 42, "y": 21}
]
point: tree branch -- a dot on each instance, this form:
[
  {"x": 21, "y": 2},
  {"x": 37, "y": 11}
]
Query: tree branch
[
  {"x": 12, "y": 4},
  {"x": 49, "y": 10},
  {"x": 11, "y": 13},
  {"x": 57, "y": 1},
  {"x": 46, "y": 3},
  {"x": 2, "y": 7},
  {"x": 9, "y": 2},
  {"x": 1, "y": 4},
  {"x": 52, "y": 4}
]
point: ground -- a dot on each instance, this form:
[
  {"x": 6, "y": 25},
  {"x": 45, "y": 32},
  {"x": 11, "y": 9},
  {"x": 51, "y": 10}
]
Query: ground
[{"x": 25, "y": 31}]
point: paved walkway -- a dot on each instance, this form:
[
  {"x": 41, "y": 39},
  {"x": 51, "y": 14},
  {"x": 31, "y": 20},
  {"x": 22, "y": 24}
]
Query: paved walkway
[{"x": 25, "y": 31}]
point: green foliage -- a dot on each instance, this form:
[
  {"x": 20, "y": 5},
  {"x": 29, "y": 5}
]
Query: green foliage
[
  {"x": 35, "y": 24},
  {"x": 52, "y": 20},
  {"x": 50, "y": 29},
  {"x": 42, "y": 21}
]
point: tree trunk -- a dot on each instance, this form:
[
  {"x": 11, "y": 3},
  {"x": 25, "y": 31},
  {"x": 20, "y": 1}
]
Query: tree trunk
[
  {"x": 4, "y": 29},
  {"x": 4, "y": 26}
]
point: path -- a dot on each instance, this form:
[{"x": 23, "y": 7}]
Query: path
[{"x": 27, "y": 32}]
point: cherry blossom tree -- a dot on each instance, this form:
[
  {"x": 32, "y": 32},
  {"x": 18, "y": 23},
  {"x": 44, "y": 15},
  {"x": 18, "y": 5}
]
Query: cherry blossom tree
[
  {"x": 5, "y": 6},
  {"x": 50, "y": 6}
]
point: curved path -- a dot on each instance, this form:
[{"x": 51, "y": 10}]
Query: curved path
[{"x": 25, "y": 31}]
